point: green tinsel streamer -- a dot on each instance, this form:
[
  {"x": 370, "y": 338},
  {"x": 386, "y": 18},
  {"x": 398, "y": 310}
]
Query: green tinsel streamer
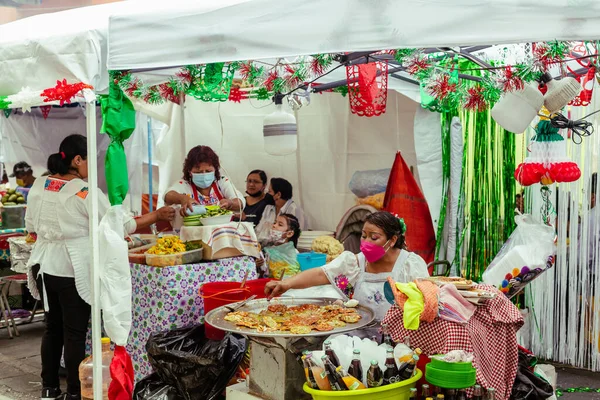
[{"x": 560, "y": 391}]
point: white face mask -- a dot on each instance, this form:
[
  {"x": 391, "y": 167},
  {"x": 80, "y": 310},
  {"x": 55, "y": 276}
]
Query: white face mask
[{"x": 276, "y": 236}]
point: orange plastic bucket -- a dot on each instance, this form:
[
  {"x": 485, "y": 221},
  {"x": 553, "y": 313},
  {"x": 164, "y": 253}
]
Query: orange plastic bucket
[{"x": 218, "y": 294}]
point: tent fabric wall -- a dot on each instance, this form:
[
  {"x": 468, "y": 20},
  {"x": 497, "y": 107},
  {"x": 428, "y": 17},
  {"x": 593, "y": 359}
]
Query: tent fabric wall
[
  {"x": 332, "y": 145},
  {"x": 31, "y": 138},
  {"x": 273, "y": 28}
]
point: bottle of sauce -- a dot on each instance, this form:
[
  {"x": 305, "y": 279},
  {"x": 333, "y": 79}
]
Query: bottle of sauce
[
  {"x": 86, "y": 372},
  {"x": 351, "y": 382},
  {"x": 355, "y": 368},
  {"x": 491, "y": 394},
  {"x": 335, "y": 380},
  {"x": 310, "y": 378},
  {"x": 407, "y": 370},
  {"x": 413, "y": 394},
  {"x": 331, "y": 354},
  {"x": 387, "y": 338},
  {"x": 391, "y": 373},
  {"x": 425, "y": 391},
  {"x": 319, "y": 374},
  {"x": 477, "y": 392},
  {"x": 374, "y": 375}
]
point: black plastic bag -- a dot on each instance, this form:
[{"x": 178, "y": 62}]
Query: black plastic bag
[
  {"x": 529, "y": 386},
  {"x": 153, "y": 388},
  {"x": 197, "y": 367}
]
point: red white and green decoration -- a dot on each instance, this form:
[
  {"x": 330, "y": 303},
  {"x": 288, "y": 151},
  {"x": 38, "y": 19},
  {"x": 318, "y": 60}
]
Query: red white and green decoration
[
  {"x": 61, "y": 94},
  {"x": 439, "y": 75}
]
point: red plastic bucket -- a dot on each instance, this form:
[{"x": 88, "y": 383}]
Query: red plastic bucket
[{"x": 218, "y": 294}]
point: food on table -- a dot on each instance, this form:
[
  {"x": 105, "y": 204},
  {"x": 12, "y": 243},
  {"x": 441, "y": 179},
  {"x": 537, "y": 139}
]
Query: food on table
[
  {"x": 167, "y": 245},
  {"x": 298, "y": 320},
  {"x": 211, "y": 211},
  {"x": 457, "y": 281},
  {"x": 189, "y": 246},
  {"x": 12, "y": 198},
  {"x": 328, "y": 245}
]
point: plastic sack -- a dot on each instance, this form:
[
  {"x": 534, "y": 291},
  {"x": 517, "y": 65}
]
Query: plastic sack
[
  {"x": 280, "y": 258},
  {"x": 528, "y": 385},
  {"x": 198, "y": 368},
  {"x": 528, "y": 252},
  {"x": 153, "y": 388},
  {"x": 115, "y": 276},
  {"x": 368, "y": 183},
  {"x": 375, "y": 201}
]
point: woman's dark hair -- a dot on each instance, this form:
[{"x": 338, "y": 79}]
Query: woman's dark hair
[
  {"x": 198, "y": 155},
  {"x": 390, "y": 225},
  {"x": 261, "y": 174},
  {"x": 71, "y": 147},
  {"x": 280, "y": 185},
  {"x": 294, "y": 226}
]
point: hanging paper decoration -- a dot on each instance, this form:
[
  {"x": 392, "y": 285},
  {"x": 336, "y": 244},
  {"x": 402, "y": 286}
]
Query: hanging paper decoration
[
  {"x": 7, "y": 112},
  {"x": 367, "y": 88},
  {"x": 586, "y": 79},
  {"x": 213, "y": 83},
  {"x": 475, "y": 99},
  {"x": 63, "y": 91},
  {"x": 547, "y": 162},
  {"x": 509, "y": 81},
  {"x": 236, "y": 95},
  {"x": 45, "y": 111},
  {"x": 25, "y": 99},
  {"x": 4, "y": 102}
]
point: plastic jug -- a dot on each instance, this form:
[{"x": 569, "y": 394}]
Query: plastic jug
[{"x": 86, "y": 373}]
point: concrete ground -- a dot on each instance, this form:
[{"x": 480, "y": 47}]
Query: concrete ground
[{"x": 20, "y": 366}]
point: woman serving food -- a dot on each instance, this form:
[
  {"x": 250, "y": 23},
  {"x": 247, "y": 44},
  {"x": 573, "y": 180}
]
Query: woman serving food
[
  {"x": 203, "y": 184},
  {"x": 361, "y": 277}
]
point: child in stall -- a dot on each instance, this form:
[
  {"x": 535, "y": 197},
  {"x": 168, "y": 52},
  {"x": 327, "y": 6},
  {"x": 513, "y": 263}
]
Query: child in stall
[{"x": 279, "y": 250}]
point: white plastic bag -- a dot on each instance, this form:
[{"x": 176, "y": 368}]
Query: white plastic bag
[
  {"x": 528, "y": 252},
  {"x": 115, "y": 277}
]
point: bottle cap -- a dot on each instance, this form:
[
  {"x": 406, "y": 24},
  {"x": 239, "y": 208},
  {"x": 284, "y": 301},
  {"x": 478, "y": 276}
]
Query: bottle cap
[
  {"x": 105, "y": 340},
  {"x": 374, "y": 362},
  {"x": 339, "y": 368},
  {"x": 324, "y": 357},
  {"x": 327, "y": 342},
  {"x": 418, "y": 351},
  {"x": 356, "y": 351}
]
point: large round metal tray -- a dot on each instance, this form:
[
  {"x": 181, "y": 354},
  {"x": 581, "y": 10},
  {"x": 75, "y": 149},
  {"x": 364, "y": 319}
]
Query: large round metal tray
[{"x": 216, "y": 317}]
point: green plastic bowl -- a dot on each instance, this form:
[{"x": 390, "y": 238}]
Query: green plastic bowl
[
  {"x": 448, "y": 366},
  {"x": 448, "y": 379}
]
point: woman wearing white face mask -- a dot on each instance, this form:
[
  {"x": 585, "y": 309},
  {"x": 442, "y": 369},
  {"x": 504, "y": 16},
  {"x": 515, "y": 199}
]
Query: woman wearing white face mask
[{"x": 203, "y": 184}]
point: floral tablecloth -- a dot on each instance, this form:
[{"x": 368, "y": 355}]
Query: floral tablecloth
[{"x": 168, "y": 298}]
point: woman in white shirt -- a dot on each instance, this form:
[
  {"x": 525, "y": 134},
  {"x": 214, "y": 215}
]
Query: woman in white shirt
[
  {"x": 280, "y": 196},
  {"x": 361, "y": 277},
  {"x": 203, "y": 184},
  {"x": 58, "y": 212}
]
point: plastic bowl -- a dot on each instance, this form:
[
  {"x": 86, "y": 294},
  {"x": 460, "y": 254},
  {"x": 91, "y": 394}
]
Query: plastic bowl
[
  {"x": 218, "y": 220},
  {"x": 395, "y": 391},
  {"x": 311, "y": 260}
]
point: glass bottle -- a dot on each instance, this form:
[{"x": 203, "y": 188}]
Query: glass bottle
[
  {"x": 387, "y": 338},
  {"x": 355, "y": 368},
  {"x": 491, "y": 394},
  {"x": 331, "y": 353},
  {"x": 351, "y": 382},
  {"x": 310, "y": 378},
  {"x": 319, "y": 374},
  {"x": 336, "y": 381},
  {"x": 425, "y": 391},
  {"x": 461, "y": 395},
  {"x": 477, "y": 392},
  {"x": 407, "y": 370},
  {"x": 413, "y": 393},
  {"x": 374, "y": 375},
  {"x": 391, "y": 373},
  {"x": 451, "y": 394}
]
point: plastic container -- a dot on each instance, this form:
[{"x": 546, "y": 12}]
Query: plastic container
[
  {"x": 169, "y": 260},
  {"x": 219, "y": 220},
  {"x": 13, "y": 217},
  {"x": 218, "y": 294},
  {"x": 311, "y": 260},
  {"x": 138, "y": 255},
  {"x": 447, "y": 375},
  {"x": 86, "y": 373},
  {"x": 395, "y": 391}
]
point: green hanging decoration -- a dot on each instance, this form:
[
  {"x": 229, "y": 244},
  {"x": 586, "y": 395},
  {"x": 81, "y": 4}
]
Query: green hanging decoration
[
  {"x": 491, "y": 92},
  {"x": 118, "y": 122},
  {"x": 214, "y": 82},
  {"x": 7, "y": 112},
  {"x": 401, "y": 54},
  {"x": 527, "y": 72},
  {"x": 263, "y": 94},
  {"x": 561, "y": 391},
  {"x": 343, "y": 90},
  {"x": 4, "y": 102}
]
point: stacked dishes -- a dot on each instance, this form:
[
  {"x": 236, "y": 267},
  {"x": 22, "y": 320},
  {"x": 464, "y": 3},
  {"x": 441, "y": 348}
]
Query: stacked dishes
[
  {"x": 307, "y": 238},
  {"x": 206, "y": 216}
]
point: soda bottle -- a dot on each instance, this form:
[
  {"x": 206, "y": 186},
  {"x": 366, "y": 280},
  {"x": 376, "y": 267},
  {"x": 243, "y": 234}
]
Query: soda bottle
[
  {"x": 413, "y": 394},
  {"x": 491, "y": 394},
  {"x": 331, "y": 354},
  {"x": 310, "y": 378},
  {"x": 387, "y": 338},
  {"x": 355, "y": 368},
  {"x": 335, "y": 380},
  {"x": 391, "y": 373},
  {"x": 319, "y": 374},
  {"x": 425, "y": 391},
  {"x": 374, "y": 375},
  {"x": 407, "y": 370},
  {"x": 477, "y": 392},
  {"x": 451, "y": 394},
  {"x": 462, "y": 395},
  {"x": 351, "y": 382},
  {"x": 86, "y": 375}
]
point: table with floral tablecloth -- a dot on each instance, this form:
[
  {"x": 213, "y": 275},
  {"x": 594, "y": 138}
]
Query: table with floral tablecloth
[{"x": 168, "y": 298}]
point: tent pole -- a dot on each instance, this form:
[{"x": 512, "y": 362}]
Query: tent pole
[
  {"x": 150, "y": 195},
  {"x": 95, "y": 254}
]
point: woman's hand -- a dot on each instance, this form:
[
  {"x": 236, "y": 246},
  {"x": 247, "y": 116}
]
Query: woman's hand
[
  {"x": 187, "y": 203},
  {"x": 276, "y": 288},
  {"x": 226, "y": 204},
  {"x": 166, "y": 213}
]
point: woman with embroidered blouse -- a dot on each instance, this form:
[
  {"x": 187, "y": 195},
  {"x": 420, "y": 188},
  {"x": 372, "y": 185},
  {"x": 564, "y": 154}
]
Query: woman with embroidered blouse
[
  {"x": 58, "y": 212},
  {"x": 361, "y": 277}
]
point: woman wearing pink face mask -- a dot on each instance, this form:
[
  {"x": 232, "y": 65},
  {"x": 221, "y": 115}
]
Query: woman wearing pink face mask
[{"x": 361, "y": 277}]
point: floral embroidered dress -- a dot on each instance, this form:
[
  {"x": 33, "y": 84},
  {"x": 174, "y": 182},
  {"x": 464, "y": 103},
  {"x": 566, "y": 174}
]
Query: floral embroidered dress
[{"x": 347, "y": 274}]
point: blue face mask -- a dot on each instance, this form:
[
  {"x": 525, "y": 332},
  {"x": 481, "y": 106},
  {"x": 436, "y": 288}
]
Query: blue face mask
[{"x": 203, "y": 181}]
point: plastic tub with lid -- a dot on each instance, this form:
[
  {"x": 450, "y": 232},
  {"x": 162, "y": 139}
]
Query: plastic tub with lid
[{"x": 169, "y": 260}]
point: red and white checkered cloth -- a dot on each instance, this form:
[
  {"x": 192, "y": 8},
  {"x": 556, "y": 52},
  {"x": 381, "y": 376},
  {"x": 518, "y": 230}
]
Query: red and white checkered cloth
[{"x": 491, "y": 335}]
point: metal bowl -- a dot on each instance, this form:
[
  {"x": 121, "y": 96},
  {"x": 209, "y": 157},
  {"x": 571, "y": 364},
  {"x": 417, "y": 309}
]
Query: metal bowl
[{"x": 216, "y": 317}]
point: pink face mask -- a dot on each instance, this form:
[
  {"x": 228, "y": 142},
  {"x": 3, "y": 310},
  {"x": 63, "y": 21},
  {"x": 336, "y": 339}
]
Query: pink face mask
[{"x": 373, "y": 252}]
